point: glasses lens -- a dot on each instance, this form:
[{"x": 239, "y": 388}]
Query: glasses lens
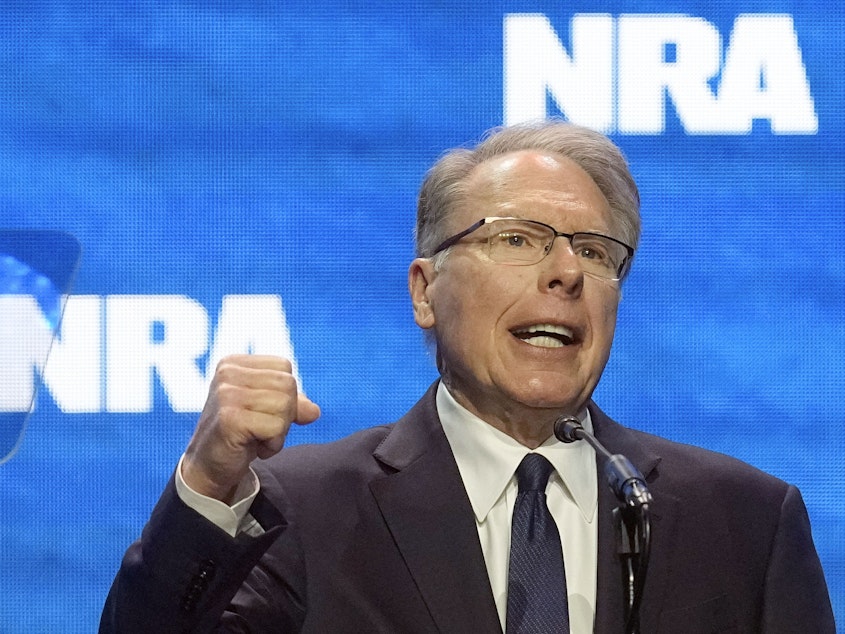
[
  {"x": 518, "y": 241},
  {"x": 515, "y": 241},
  {"x": 599, "y": 255}
]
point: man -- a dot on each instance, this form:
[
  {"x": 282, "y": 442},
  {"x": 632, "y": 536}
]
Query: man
[{"x": 523, "y": 243}]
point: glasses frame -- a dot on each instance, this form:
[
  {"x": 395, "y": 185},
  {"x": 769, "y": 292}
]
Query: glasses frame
[{"x": 620, "y": 274}]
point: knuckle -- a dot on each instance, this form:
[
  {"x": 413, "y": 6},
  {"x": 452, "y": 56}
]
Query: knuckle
[
  {"x": 228, "y": 415},
  {"x": 224, "y": 374},
  {"x": 227, "y": 362},
  {"x": 285, "y": 382},
  {"x": 228, "y": 394}
]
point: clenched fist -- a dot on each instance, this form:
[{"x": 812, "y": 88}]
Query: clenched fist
[{"x": 252, "y": 401}]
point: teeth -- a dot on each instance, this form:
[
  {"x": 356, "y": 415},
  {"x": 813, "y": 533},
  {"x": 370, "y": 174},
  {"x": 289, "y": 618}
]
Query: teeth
[
  {"x": 544, "y": 342},
  {"x": 557, "y": 330},
  {"x": 546, "y": 335}
]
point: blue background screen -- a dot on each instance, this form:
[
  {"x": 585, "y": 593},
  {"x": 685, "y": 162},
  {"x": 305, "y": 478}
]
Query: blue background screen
[{"x": 242, "y": 176}]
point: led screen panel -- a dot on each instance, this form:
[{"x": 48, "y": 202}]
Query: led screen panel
[{"x": 242, "y": 177}]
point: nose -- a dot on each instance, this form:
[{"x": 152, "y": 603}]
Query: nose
[{"x": 561, "y": 270}]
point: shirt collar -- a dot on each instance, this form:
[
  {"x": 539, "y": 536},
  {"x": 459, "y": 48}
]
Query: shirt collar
[{"x": 487, "y": 458}]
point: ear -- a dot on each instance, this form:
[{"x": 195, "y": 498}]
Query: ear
[{"x": 421, "y": 274}]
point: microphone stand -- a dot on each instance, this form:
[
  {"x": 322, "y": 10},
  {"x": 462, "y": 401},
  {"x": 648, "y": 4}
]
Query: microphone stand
[
  {"x": 633, "y": 528},
  {"x": 631, "y": 517}
]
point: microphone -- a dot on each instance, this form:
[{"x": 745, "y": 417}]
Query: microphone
[
  {"x": 625, "y": 480},
  {"x": 634, "y": 533}
]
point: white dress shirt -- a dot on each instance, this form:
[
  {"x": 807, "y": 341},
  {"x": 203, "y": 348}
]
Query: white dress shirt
[{"x": 487, "y": 460}]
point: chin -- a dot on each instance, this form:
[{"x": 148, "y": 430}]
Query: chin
[{"x": 551, "y": 395}]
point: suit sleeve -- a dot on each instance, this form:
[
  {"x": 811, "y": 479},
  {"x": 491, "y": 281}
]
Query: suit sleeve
[
  {"x": 183, "y": 573},
  {"x": 796, "y": 595}
]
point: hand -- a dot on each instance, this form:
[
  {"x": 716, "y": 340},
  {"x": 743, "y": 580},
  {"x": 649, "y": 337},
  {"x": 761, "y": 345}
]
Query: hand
[{"x": 251, "y": 404}]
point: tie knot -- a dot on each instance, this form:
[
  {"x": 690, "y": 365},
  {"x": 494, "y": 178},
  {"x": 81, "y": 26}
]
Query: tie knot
[{"x": 533, "y": 473}]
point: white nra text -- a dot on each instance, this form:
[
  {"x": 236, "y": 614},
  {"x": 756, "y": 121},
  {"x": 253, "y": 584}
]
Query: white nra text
[
  {"x": 619, "y": 73},
  {"x": 110, "y": 349}
]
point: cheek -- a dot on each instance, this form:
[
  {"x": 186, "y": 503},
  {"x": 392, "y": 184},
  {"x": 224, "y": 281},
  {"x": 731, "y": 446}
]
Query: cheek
[
  {"x": 473, "y": 300},
  {"x": 472, "y": 315},
  {"x": 610, "y": 316},
  {"x": 484, "y": 293},
  {"x": 610, "y": 323},
  {"x": 605, "y": 317},
  {"x": 493, "y": 298}
]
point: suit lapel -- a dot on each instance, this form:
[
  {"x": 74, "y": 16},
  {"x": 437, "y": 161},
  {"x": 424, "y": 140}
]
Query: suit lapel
[
  {"x": 427, "y": 511},
  {"x": 611, "y": 597},
  {"x": 429, "y": 515}
]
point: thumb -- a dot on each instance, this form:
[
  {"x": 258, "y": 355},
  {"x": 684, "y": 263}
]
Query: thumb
[{"x": 306, "y": 410}]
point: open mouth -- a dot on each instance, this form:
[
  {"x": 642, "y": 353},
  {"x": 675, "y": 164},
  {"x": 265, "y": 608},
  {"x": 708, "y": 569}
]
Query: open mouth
[{"x": 545, "y": 335}]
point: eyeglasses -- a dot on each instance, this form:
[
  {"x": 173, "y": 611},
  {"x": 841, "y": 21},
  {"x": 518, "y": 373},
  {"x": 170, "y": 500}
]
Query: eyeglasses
[{"x": 521, "y": 242}]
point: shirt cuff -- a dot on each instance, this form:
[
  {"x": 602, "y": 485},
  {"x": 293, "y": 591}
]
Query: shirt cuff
[{"x": 232, "y": 519}]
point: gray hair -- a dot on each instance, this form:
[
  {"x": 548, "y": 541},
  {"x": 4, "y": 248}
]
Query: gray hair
[{"x": 444, "y": 187}]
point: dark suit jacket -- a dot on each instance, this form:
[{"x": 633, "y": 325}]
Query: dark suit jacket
[{"x": 375, "y": 533}]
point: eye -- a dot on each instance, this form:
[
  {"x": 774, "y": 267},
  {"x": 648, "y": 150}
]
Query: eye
[
  {"x": 517, "y": 241},
  {"x": 592, "y": 249},
  {"x": 593, "y": 253},
  {"x": 514, "y": 240}
]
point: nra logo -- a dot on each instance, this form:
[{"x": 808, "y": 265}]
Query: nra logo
[
  {"x": 110, "y": 349},
  {"x": 619, "y": 74}
]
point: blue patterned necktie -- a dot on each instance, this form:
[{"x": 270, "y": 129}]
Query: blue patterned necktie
[{"x": 537, "y": 602}]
